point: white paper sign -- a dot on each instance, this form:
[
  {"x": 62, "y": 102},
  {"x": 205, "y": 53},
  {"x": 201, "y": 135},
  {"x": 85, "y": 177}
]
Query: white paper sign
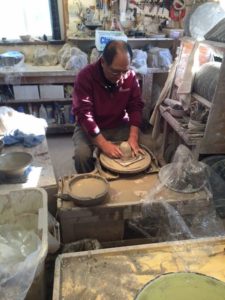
[{"x": 102, "y": 37}]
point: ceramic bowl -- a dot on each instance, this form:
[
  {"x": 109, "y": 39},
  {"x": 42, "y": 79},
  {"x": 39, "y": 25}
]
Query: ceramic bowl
[
  {"x": 14, "y": 164},
  {"x": 178, "y": 113}
]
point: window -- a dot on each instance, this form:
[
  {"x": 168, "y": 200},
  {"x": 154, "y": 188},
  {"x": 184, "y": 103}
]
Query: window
[{"x": 37, "y": 18}]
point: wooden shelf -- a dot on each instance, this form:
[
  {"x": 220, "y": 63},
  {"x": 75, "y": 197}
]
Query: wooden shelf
[
  {"x": 213, "y": 44},
  {"x": 60, "y": 128},
  {"x": 131, "y": 39},
  {"x": 29, "y": 74},
  {"x": 36, "y": 101},
  {"x": 176, "y": 125},
  {"x": 202, "y": 100},
  {"x": 157, "y": 70}
]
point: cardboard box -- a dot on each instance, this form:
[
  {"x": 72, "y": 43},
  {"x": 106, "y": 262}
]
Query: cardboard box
[
  {"x": 51, "y": 91},
  {"x": 26, "y": 92}
]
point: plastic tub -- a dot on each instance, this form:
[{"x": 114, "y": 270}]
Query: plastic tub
[{"x": 28, "y": 208}]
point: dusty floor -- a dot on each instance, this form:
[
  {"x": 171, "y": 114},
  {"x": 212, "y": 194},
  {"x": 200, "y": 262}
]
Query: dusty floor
[{"x": 61, "y": 152}]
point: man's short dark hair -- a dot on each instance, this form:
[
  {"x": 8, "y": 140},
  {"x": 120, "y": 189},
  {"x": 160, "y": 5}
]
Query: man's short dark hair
[{"x": 111, "y": 48}]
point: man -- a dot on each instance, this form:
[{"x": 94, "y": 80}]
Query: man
[{"x": 107, "y": 104}]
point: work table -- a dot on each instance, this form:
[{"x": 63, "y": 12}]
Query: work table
[{"x": 41, "y": 174}]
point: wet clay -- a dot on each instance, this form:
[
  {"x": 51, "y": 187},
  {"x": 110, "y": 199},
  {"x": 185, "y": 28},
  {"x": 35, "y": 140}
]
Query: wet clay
[
  {"x": 87, "y": 188},
  {"x": 126, "y": 150}
]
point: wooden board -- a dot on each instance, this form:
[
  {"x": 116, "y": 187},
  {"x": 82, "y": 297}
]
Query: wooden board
[
  {"x": 120, "y": 272},
  {"x": 30, "y": 74},
  {"x": 131, "y": 190}
]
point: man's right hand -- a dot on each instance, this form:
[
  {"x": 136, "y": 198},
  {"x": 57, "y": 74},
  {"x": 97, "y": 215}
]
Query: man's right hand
[
  {"x": 111, "y": 150},
  {"x": 107, "y": 147}
]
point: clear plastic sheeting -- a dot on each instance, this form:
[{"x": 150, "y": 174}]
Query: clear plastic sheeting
[
  {"x": 20, "y": 255},
  {"x": 12, "y": 66},
  {"x": 179, "y": 216},
  {"x": 184, "y": 174},
  {"x": 159, "y": 58}
]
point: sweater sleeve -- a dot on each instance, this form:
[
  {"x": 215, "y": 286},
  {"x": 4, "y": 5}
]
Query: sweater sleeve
[
  {"x": 83, "y": 103},
  {"x": 135, "y": 104}
]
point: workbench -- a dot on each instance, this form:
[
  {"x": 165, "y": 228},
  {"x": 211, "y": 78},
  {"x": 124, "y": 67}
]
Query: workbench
[
  {"x": 128, "y": 195},
  {"x": 41, "y": 174},
  {"x": 120, "y": 273}
]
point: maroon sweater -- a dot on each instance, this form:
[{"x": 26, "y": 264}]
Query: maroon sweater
[{"x": 98, "y": 107}]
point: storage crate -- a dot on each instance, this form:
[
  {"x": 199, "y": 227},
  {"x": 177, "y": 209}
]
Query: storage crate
[
  {"x": 51, "y": 91},
  {"x": 25, "y": 92},
  {"x": 119, "y": 273},
  {"x": 28, "y": 208}
]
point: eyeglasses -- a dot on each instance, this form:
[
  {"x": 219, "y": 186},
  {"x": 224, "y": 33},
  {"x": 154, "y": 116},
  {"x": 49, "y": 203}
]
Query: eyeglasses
[{"x": 117, "y": 72}]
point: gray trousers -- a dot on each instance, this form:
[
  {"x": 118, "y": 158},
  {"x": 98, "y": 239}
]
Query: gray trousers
[{"x": 84, "y": 148}]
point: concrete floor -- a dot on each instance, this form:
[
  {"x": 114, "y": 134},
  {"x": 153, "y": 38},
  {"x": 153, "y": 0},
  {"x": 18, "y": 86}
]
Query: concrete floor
[{"x": 61, "y": 152}]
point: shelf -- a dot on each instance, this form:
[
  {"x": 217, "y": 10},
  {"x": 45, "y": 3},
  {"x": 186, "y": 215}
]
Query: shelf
[
  {"x": 176, "y": 125},
  {"x": 157, "y": 70},
  {"x": 36, "y": 101},
  {"x": 213, "y": 44},
  {"x": 29, "y": 74},
  {"x": 60, "y": 128},
  {"x": 202, "y": 100},
  {"x": 131, "y": 39}
]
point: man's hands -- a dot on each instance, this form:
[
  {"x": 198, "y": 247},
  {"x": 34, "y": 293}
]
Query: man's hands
[
  {"x": 133, "y": 141},
  {"x": 110, "y": 149},
  {"x": 113, "y": 150}
]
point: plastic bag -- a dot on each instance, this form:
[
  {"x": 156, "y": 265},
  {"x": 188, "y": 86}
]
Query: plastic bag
[
  {"x": 169, "y": 215},
  {"x": 20, "y": 255},
  {"x": 159, "y": 58},
  {"x": 44, "y": 57},
  {"x": 139, "y": 61}
]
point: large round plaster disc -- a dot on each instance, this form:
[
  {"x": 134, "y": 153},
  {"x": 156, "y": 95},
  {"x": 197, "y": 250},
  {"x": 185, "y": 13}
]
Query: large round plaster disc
[
  {"x": 183, "y": 286},
  {"x": 133, "y": 168},
  {"x": 204, "y": 18}
]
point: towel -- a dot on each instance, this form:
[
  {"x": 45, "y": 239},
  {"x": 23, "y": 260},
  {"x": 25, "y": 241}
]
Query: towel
[{"x": 17, "y": 136}]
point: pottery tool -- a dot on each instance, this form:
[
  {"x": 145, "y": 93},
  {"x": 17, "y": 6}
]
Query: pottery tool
[{"x": 129, "y": 161}]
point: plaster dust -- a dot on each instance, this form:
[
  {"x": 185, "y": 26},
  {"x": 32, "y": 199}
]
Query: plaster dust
[
  {"x": 88, "y": 188},
  {"x": 121, "y": 274},
  {"x": 83, "y": 279}
]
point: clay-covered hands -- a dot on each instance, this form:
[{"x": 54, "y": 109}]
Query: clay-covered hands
[
  {"x": 135, "y": 146},
  {"x": 111, "y": 150}
]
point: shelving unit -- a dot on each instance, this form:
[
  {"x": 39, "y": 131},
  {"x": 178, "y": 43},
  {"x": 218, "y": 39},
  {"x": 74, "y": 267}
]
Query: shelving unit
[
  {"x": 212, "y": 139},
  {"x": 53, "y": 75},
  {"x": 39, "y": 75}
]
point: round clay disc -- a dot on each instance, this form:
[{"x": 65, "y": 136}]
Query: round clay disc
[
  {"x": 88, "y": 189},
  {"x": 136, "y": 167}
]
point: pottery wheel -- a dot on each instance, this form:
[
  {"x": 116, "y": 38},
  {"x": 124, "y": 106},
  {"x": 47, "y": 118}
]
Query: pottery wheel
[{"x": 142, "y": 163}]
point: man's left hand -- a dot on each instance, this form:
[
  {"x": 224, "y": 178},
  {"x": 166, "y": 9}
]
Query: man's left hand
[{"x": 135, "y": 146}]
